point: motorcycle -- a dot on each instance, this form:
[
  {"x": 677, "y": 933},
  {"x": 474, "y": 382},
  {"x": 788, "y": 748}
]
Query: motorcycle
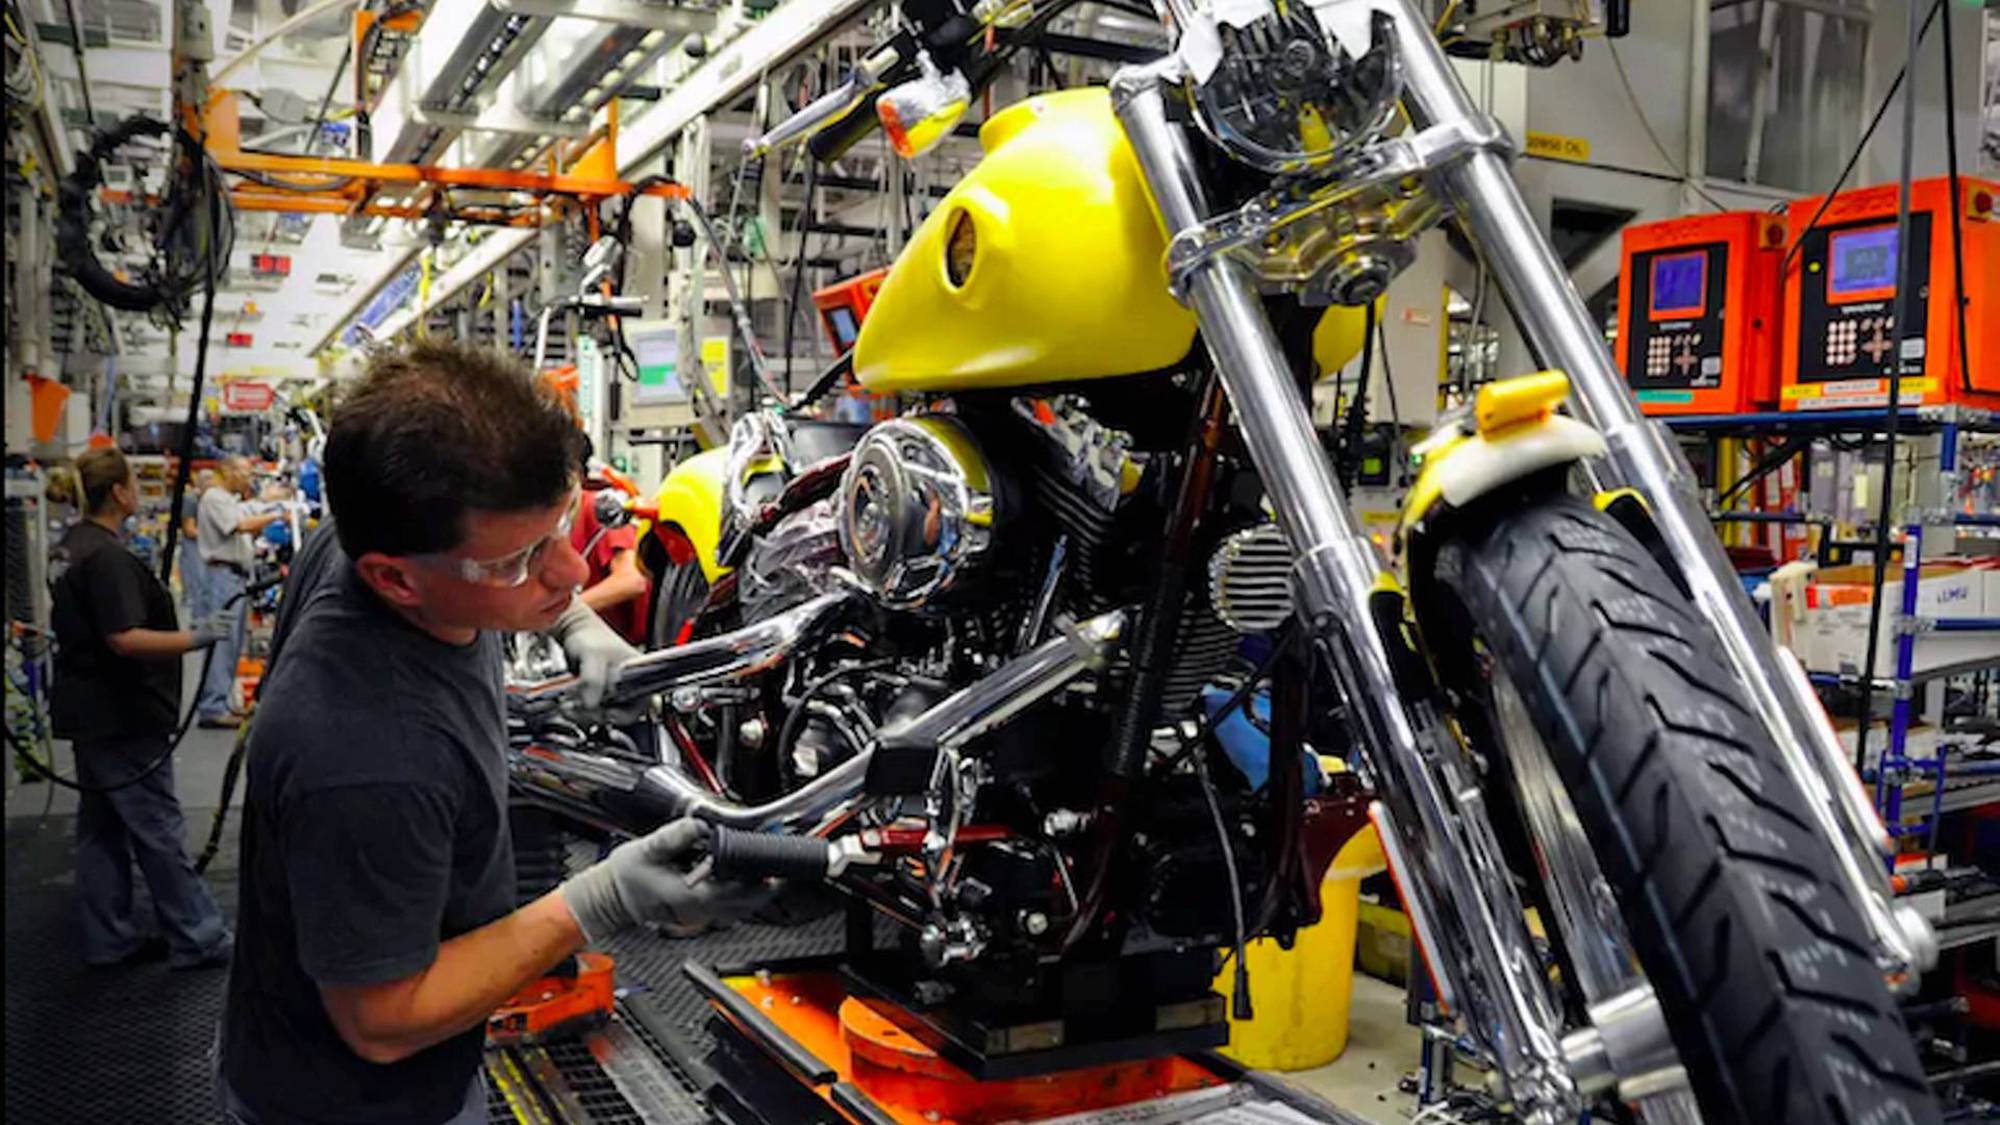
[{"x": 973, "y": 664}]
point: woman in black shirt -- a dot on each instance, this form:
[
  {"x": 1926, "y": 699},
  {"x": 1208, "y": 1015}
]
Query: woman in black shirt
[{"x": 116, "y": 696}]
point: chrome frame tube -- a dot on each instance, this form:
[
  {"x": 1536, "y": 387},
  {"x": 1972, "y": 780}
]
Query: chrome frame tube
[
  {"x": 1562, "y": 335},
  {"x": 1459, "y": 885},
  {"x": 1638, "y": 1053}
]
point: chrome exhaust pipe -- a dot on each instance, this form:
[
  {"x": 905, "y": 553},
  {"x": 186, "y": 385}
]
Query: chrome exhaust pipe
[
  {"x": 706, "y": 662},
  {"x": 732, "y": 656},
  {"x": 975, "y": 710}
]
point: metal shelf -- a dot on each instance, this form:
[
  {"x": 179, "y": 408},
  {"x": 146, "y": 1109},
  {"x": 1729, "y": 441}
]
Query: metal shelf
[
  {"x": 1952, "y": 937},
  {"x": 1968, "y": 797},
  {"x": 1958, "y": 519},
  {"x": 1941, "y": 672},
  {"x": 1912, "y": 419}
]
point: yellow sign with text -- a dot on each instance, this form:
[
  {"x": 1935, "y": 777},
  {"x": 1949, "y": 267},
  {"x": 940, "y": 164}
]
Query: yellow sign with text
[{"x": 1555, "y": 146}]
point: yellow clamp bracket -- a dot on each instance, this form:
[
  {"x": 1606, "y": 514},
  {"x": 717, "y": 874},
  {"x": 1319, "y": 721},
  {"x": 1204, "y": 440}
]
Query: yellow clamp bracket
[{"x": 1508, "y": 403}]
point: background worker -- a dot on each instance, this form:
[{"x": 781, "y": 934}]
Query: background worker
[
  {"x": 616, "y": 588},
  {"x": 117, "y": 695},
  {"x": 228, "y": 549},
  {"x": 378, "y": 923},
  {"x": 194, "y": 571}
]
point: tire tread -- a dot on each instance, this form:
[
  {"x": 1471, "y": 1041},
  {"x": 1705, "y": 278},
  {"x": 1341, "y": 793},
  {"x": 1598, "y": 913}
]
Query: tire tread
[{"x": 1759, "y": 962}]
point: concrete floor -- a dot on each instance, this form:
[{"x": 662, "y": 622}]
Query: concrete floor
[{"x": 1381, "y": 1048}]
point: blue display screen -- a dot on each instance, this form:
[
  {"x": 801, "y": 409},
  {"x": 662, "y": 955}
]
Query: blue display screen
[
  {"x": 1863, "y": 261},
  {"x": 1680, "y": 282},
  {"x": 844, "y": 328}
]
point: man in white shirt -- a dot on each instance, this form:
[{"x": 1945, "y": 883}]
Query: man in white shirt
[{"x": 227, "y": 551}]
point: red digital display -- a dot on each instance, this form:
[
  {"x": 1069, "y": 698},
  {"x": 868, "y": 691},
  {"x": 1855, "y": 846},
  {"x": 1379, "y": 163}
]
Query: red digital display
[
  {"x": 239, "y": 339},
  {"x": 278, "y": 264}
]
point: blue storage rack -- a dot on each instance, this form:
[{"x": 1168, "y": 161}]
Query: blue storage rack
[{"x": 1949, "y": 423}]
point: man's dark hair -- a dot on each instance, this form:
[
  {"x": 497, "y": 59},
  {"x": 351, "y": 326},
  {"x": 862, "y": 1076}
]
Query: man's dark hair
[{"x": 434, "y": 431}]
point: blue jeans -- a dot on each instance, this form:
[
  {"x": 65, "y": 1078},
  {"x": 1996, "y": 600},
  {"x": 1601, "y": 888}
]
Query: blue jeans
[
  {"x": 233, "y": 613},
  {"x": 195, "y": 584},
  {"x": 138, "y": 822},
  {"x": 234, "y": 1112}
]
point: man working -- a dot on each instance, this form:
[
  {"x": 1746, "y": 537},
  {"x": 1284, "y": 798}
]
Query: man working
[
  {"x": 228, "y": 551},
  {"x": 377, "y": 928},
  {"x": 616, "y": 588},
  {"x": 194, "y": 571},
  {"x": 117, "y": 694}
]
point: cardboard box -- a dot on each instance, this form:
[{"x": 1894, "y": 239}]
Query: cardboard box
[{"x": 1834, "y": 635}]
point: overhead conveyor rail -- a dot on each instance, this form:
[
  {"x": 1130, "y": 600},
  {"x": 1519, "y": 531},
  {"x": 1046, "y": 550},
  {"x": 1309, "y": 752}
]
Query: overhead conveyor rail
[{"x": 729, "y": 70}]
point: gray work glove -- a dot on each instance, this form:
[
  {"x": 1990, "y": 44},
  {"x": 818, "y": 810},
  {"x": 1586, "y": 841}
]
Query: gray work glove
[
  {"x": 649, "y": 880},
  {"x": 595, "y": 650},
  {"x": 207, "y": 636}
]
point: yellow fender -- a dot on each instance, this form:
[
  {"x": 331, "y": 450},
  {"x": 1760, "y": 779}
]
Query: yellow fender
[
  {"x": 691, "y": 499},
  {"x": 1518, "y": 432}
]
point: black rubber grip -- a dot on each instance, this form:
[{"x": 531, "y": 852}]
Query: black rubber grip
[{"x": 743, "y": 856}]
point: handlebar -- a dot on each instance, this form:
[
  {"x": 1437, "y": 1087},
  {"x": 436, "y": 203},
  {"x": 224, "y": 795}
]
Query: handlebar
[
  {"x": 830, "y": 106},
  {"x": 951, "y": 44}
]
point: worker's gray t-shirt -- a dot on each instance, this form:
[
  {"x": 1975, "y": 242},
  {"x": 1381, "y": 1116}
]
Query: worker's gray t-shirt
[
  {"x": 217, "y": 517},
  {"x": 374, "y": 830}
]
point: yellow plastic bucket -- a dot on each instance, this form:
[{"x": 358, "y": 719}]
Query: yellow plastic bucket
[{"x": 1300, "y": 996}]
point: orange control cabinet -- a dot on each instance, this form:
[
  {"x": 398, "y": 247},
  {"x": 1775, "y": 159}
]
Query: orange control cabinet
[
  {"x": 1698, "y": 312},
  {"x": 1840, "y": 299},
  {"x": 844, "y": 305}
]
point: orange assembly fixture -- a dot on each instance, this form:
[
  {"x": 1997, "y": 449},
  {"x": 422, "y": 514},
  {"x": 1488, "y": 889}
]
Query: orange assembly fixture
[
  {"x": 557, "y": 1004},
  {"x": 866, "y": 1043}
]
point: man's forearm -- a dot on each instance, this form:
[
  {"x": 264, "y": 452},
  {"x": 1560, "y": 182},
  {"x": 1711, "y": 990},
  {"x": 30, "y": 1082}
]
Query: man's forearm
[
  {"x": 618, "y": 587},
  {"x": 150, "y": 644},
  {"x": 473, "y": 974}
]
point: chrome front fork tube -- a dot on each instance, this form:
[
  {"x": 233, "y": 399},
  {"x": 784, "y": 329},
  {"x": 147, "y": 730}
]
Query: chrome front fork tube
[
  {"x": 1552, "y": 316},
  {"x": 1451, "y": 868}
]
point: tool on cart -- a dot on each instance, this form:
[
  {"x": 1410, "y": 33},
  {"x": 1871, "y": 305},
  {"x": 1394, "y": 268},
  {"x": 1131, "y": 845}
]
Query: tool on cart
[{"x": 577, "y": 996}]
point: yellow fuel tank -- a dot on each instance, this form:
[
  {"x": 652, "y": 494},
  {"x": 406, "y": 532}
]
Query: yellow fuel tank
[{"x": 1045, "y": 264}]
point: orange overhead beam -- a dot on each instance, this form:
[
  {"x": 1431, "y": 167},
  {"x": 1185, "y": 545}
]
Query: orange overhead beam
[
  {"x": 225, "y": 146},
  {"x": 332, "y": 204}
]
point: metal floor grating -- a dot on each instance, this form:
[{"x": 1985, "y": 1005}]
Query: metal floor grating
[
  {"x": 92, "y": 1046},
  {"x": 98, "y": 1045},
  {"x": 654, "y": 965}
]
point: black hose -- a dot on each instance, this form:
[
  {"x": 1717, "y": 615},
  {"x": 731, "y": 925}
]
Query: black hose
[
  {"x": 1957, "y": 211},
  {"x": 799, "y": 268},
  {"x": 1861, "y": 146},
  {"x": 1892, "y": 421},
  {"x": 1348, "y": 457},
  {"x": 186, "y": 466},
  {"x": 230, "y": 773},
  {"x": 82, "y": 75},
  {"x": 27, "y": 757}
]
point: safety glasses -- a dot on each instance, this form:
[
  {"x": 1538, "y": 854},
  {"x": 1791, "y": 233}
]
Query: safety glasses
[{"x": 509, "y": 570}]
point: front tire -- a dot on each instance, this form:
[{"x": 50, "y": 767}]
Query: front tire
[
  {"x": 1759, "y": 963},
  {"x": 677, "y": 598}
]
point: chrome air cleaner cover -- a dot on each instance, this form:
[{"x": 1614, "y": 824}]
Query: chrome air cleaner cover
[{"x": 916, "y": 509}]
